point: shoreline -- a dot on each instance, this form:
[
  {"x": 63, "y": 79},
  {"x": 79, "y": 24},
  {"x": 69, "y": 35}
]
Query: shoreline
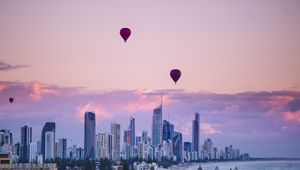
[{"x": 195, "y": 165}]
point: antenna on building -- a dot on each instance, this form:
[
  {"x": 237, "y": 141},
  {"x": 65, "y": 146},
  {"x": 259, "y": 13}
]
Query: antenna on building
[{"x": 161, "y": 99}]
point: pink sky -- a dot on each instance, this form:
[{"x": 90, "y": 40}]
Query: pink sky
[
  {"x": 240, "y": 63},
  {"x": 223, "y": 47}
]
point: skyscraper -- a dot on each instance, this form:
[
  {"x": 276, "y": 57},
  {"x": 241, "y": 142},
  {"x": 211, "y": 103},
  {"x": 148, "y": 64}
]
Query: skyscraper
[
  {"x": 32, "y": 152},
  {"x": 110, "y": 146},
  {"x": 128, "y": 137},
  {"x": 132, "y": 128},
  {"x": 196, "y": 134},
  {"x": 144, "y": 136},
  {"x": 187, "y": 146},
  {"x": 48, "y": 127},
  {"x": 89, "y": 135},
  {"x": 26, "y": 139},
  {"x": 177, "y": 145},
  {"x": 207, "y": 148},
  {"x": 157, "y": 126},
  {"x": 49, "y": 145},
  {"x": 168, "y": 130},
  {"x": 62, "y": 148},
  {"x": 5, "y": 137},
  {"x": 115, "y": 130},
  {"x": 102, "y": 146}
]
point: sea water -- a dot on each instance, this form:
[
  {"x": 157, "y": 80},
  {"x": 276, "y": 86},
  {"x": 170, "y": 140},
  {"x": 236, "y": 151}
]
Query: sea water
[{"x": 251, "y": 165}]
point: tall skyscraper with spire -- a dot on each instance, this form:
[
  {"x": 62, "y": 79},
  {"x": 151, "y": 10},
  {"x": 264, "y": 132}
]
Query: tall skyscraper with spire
[
  {"x": 157, "y": 126},
  {"x": 89, "y": 135},
  {"x": 196, "y": 134}
]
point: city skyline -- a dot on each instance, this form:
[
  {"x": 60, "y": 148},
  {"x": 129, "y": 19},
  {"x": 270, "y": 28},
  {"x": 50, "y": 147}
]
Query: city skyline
[
  {"x": 101, "y": 145},
  {"x": 239, "y": 63},
  {"x": 267, "y": 107}
]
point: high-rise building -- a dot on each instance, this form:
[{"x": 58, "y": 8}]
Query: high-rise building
[
  {"x": 187, "y": 151},
  {"x": 157, "y": 126},
  {"x": 196, "y": 134},
  {"x": 17, "y": 147},
  {"x": 167, "y": 149},
  {"x": 49, "y": 145},
  {"x": 89, "y": 135},
  {"x": 168, "y": 130},
  {"x": 138, "y": 139},
  {"x": 132, "y": 128},
  {"x": 104, "y": 146},
  {"x": 115, "y": 130},
  {"x": 230, "y": 152},
  {"x": 177, "y": 145},
  {"x": 5, "y": 137},
  {"x": 128, "y": 137},
  {"x": 110, "y": 146},
  {"x": 144, "y": 136},
  {"x": 39, "y": 146},
  {"x": 208, "y": 148},
  {"x": 48, "y": 127},
  {"x": 62, "y": 148},
  {"x": 187, "y": 146},
  {"x": 32, "y": 152},
  {"x": 26, "y": 139},
  {"x": 236, "y": 154},
  {"x": 215, "y": 153}
]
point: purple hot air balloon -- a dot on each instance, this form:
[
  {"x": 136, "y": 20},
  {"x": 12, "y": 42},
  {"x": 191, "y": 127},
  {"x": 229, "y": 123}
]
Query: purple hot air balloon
[
  {"x": 11, "y": 99},
  {"x": 175, "y": 74},
  {"x": 125, "y": 33}
]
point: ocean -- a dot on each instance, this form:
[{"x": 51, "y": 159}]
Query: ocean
[{"x": 251, "y": 165}]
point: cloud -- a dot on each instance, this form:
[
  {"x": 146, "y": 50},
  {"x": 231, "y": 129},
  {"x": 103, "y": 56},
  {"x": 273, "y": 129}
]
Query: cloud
[
  {"x": 210, "y": 129},
  {"x": 9, "y": 67},
  {"x": 292, "y": 116},
  {"x": 37, "y": 90},
  {"x": 294, "y": 105},
  {"x": 3, "y": 86},
  {"x": 101, "y": 113}
]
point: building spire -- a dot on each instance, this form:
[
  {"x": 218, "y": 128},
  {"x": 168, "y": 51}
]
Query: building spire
[{"x": 161, "y": 99}]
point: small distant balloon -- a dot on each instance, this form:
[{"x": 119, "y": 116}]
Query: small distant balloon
[
  {"x": 175, "y": 74},
  {"x": 11, "y": 99},
  {"x": 125, "y": 33}
]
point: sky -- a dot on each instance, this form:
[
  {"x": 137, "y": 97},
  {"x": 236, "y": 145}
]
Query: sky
[{"x": 239, "y": 61}]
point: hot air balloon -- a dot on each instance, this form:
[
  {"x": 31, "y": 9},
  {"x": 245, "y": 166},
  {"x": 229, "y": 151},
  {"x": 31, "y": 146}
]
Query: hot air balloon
[
  {"x": 125, "y": 33},
  {"x": 175, "y": 74},
  {"x": 11, "y": 99}
]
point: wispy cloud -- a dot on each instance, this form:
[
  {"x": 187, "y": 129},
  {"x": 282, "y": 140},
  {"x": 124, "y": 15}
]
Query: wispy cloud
[
  {"x": 211, "y": 128},
  {"x": 9, "y": 67},
  {"x": 292, "y": 116}
]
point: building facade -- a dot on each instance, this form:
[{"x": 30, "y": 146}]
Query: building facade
[
  {"x": 49, "y": 145},
  {"x": 132, "y": 127},
  {"x": 62, "y": 148},
  {"x": 26, "y": 139},
  {"x": 157, "y": 126},
  {"x": 196, "y": 134},
  {"x": 48, "y": 127},
  {"x": 115, "y": 130},
  {"x": 89, "y": 135}
]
